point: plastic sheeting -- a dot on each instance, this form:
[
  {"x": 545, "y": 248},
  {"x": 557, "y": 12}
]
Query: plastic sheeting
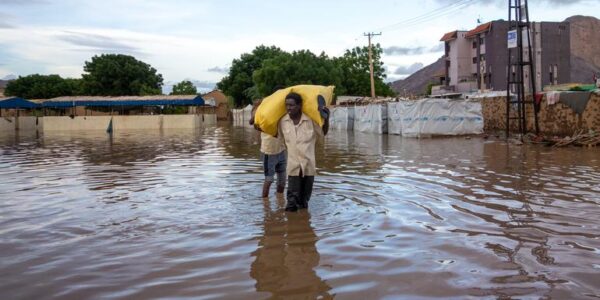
[
  {"x": 430, "y": 117},
  {"x": 371, "y": 118},
  {"x": 342, "y": 118},
  {"x": 241, "y": 117},
  {"x": 394, "y": 110}
]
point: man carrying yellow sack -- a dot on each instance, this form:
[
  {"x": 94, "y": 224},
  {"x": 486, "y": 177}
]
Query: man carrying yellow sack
[{"x": 300, "y": 134}]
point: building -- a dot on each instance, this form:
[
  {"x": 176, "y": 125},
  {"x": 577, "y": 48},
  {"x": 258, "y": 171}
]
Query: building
[
  {"x": 217, "y": 99},
  {"x": 478, "y": 59},
  {"x": 3, "y": 84},
  {"x": 458, "y": 75}
]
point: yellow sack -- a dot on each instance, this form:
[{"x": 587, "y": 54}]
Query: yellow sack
[{"x": 272, "y": 108}]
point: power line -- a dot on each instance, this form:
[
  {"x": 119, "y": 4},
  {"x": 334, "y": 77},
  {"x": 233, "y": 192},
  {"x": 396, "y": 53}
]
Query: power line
[
  {"x": 430, "y": 16},
  {"x": 424, "y": 15}
]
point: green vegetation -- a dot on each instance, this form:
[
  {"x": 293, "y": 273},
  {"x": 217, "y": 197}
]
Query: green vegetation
[
  {"x": 257, "y": 74},
  {"x": 118, "y": 75},
  {"x": 42, "y": 87},
  {"x": 185, "y": 87}
]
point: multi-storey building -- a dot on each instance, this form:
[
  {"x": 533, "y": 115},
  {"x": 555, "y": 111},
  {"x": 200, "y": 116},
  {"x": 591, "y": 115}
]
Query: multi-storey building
[{"x": 478, "y": 59}]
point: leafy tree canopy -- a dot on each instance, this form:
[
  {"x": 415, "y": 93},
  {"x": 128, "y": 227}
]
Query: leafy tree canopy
[
  {"x": 238, "y": 84},
  {"x": 185, "y": 87},
  {"x": 120, "y": 75},
  {"x": 258, "y": 74},
  {"x": 38, "y": 86}
]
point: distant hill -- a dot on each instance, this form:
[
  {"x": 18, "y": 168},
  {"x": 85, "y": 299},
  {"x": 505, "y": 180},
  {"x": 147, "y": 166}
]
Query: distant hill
[
  {"x": 585, "y": 48},
  {"x": 416, "y": 83}
]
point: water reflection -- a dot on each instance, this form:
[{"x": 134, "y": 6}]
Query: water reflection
[
  {"x": 287, "y": 256},
  {"x": 173, "y": 214}
]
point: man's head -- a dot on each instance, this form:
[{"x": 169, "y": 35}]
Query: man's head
[{"x": 293, "y": 105}]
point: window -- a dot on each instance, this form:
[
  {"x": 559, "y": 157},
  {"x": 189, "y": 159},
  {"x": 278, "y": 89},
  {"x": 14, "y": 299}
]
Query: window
[
  {"x": 481, "y": 41},
  {"x": 474, "y": 45},
  {"x": 475, "y": 60}
]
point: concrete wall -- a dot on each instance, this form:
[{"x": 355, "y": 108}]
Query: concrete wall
[
  {"x": 76, "y": 123},
  {"x": 7, "y": 124},
  {"x": 556, "y": 119},
  {"x": 154, "y": 122},
  {"x": 65, "y": 123},
  {"x": 209, "y": 119},
  {"x": 28, "y": 123}
]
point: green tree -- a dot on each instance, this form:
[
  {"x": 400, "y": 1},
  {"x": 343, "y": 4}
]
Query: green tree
[
  {"x": 38, "y": 86},
  {"x": 299, "y": 67},
  {"x": 238, "y": 83},
  {"x": 185, "y": 87},
  {"x": 354, "y": 65},
  {"x": 120, "y": 75}
]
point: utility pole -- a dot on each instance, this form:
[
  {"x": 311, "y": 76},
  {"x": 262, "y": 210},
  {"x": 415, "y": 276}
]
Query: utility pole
[{"x": 369, "y": 35}]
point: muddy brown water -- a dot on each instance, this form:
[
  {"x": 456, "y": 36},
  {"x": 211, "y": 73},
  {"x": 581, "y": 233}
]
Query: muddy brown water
[{"x": 177, "y": 214}]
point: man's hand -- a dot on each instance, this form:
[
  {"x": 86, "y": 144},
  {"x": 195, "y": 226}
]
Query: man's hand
[{"x": 327, "y": 112}]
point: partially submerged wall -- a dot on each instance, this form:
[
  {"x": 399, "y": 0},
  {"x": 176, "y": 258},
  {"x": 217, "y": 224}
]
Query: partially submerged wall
[
  {"x": 65, "y": 123},
  {"x": 556, "y": 119}
]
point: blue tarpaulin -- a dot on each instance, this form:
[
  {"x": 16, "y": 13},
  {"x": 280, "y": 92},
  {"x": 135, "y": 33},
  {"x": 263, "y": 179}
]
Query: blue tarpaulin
[
  {"x": 198, "y": 101},
  {"x": 17, "y": 102}
]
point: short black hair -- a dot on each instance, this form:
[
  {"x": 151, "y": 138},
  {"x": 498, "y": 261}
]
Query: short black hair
[{"x": 295, "y": 96}]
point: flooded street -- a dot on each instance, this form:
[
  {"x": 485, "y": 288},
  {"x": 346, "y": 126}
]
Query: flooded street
[{"x": 178, "y": 214}]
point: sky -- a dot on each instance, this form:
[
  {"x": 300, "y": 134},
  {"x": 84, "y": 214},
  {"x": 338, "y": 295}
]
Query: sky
[{"x": 198, "y": 39}]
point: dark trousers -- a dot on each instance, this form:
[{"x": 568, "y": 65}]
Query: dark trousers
[{"x": 299, "y": 191}]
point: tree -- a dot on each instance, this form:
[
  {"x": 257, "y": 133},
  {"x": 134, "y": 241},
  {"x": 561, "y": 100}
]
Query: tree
[
  {"x": 299, "y": 67},
  {"x": 354, "y": 65},
  {"x": 120, "y": 75},
  {"x": 185, "y": 87},
  {"x": 238, "y": 83},
  {"x": 38, "y": 86}
]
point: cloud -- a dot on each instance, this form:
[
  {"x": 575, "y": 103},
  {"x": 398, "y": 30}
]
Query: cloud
[
  {"x": 201, "y": 86},
  {"x": 504, "y": 2},
  {"x": 98, "y": 43},
  {"x": 407, "y": 70},
  {"x": 395, "y": 50},
  {"x": 9, "y": 77},
  {"x": 5, "y": 25},
  {"x": 24, "y": 2},
  {"x": 218, "y": 70},
  {"x": 5, "y": 20}
]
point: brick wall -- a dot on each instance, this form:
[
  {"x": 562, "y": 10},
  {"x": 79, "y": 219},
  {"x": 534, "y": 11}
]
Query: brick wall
[{"x": 556, "y": 119}]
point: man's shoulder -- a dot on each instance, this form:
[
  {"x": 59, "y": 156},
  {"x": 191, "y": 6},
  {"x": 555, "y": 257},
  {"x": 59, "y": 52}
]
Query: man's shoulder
[{"x": 285, "y": 118}]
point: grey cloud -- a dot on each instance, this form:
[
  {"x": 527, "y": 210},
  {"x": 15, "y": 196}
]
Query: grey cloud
[
  {"x": 202, "y": 86},
  {"x": 5, "y": 20},
  {"x": 23, "y": 2},
  {"x": 219, "y": 69},
  {"x": 502, "y": 3},
  {"x": 407, "y": 70},
  {"x": 98, "y": 43},
  {"x": 395, "y": 50},
  {"x": 5, "y": 25}
]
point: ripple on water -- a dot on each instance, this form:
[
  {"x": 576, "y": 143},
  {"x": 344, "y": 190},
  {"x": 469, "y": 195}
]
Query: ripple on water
[{"x": 175, "y": 214}]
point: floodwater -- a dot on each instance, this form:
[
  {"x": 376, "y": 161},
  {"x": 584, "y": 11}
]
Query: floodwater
[{"x": 177, "y": 214}]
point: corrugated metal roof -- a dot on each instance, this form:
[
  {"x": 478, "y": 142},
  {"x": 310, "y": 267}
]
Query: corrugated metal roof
[
  {"x": 479, "y": 29},
  {"x": 124, "y": 98},
  {"x": 449, "y": 36},
  {"x": 71, "y": 101}
]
